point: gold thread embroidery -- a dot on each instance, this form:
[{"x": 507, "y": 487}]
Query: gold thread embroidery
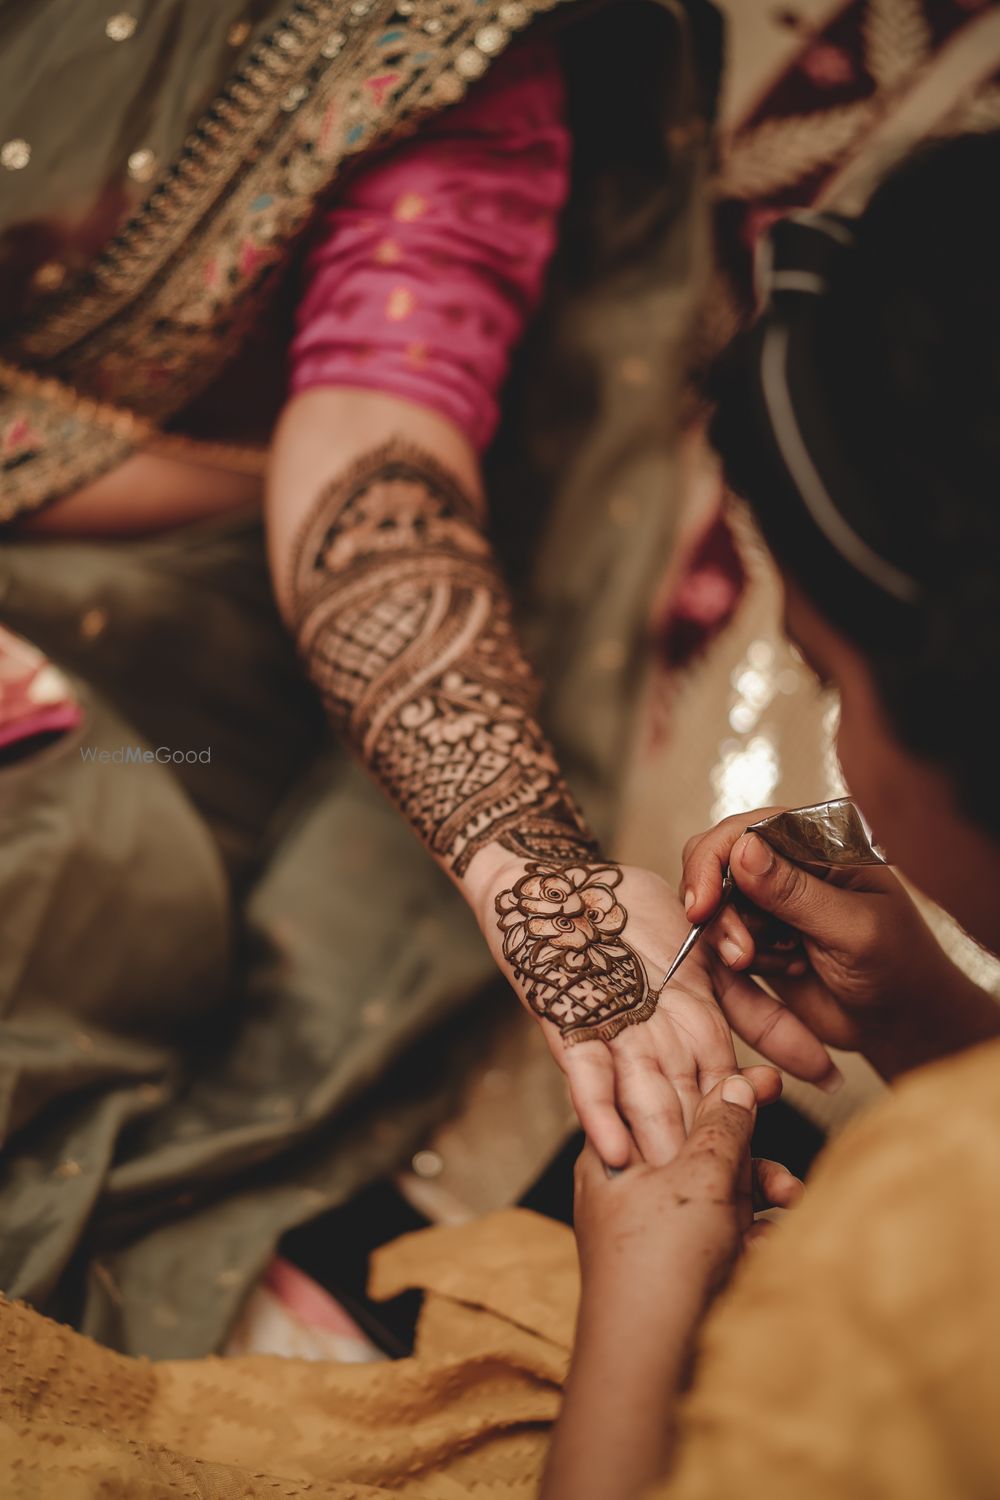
[
  {"x": 113, "y": 434},
  {"x": 145, "y": 311},
  {"x": 233, "y": 129}
]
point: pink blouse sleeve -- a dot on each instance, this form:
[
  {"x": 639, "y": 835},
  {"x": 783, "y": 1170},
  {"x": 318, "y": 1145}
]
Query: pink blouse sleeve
[{"x": 432, "y": 258}]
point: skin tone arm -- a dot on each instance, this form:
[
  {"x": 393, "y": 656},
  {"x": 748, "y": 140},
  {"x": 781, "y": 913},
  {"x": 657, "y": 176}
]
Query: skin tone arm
[
  {"x": 656, "y": 1244},
  {"x": 377, "y": 534},
  {"x": 148, "y": 492}
]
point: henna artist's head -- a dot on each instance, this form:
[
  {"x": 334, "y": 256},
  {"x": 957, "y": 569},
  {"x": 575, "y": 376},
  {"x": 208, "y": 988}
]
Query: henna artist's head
[{"x": 859, "y": 418}]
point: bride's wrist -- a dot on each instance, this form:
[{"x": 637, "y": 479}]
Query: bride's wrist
[{"x": 495, "y": 869}]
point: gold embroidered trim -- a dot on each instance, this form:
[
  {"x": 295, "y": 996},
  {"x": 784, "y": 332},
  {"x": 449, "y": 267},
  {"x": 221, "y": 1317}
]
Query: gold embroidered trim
[
  {"x": 123, "y": 424},
  {"x": 110, "y": 434},
  {"x": 307, "y": 53},
  {"x": 136, "y": 430},
  {"x": 147, "y": 330},
  {"x": 226, "y": 134}
]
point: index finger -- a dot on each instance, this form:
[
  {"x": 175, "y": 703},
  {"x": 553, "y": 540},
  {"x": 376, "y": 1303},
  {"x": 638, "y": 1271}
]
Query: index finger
[{"x": 705, "y": 859}]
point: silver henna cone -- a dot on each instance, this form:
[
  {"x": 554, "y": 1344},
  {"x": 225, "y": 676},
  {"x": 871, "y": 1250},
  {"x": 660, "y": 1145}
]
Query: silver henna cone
[{"x": 827, "y": 836}]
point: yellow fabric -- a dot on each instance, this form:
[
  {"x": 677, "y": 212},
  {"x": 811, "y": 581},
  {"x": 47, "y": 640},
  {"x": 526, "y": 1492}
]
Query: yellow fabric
[
  {"x": 468, "y": 1414},
  {"x": 856, "y": 1355},
  {"x": 859, "y": 1355}
]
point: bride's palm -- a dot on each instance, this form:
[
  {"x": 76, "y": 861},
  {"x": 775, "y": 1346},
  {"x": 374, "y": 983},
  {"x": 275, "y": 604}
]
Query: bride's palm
[{"x": 603, "y": 936}]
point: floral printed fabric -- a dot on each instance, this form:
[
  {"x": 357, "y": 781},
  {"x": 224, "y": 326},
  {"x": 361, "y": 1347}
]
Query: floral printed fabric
[{"x": 432, "y": 258}]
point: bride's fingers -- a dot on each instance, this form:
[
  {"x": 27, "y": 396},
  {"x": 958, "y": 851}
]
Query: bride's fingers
[
  {"x": 771, "y": 1029},
  {"x": 689, "y": 1092},
  {"x": 650, "y": 1104},
  {"x": 718, "y": 1065},
  {"x": 590, "y": 1072},
  {"x": 766, "y": 1082}
]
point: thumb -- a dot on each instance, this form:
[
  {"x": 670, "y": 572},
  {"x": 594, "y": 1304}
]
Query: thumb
[
  {"x": 719, "y": 1142},
  {"x": 814, "y": 907}
]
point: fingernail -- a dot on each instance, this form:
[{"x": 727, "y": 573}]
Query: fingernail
[
  {"x": 739, "y": 1090},
  {"x": 689, "y": 899},
  {"x": 833, "y": 1082},
  {"x": 756, "y": 856},
  {"x": 730, "y": 951}
]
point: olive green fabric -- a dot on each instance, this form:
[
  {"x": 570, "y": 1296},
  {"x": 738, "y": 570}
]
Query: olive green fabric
[
  {"x": 133, "y": 89},
  {"x": 207, "y": 971},
  {"x": 233, "y": 992}
]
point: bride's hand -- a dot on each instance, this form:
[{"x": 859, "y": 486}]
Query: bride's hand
[{"x": 587, "y": 947}]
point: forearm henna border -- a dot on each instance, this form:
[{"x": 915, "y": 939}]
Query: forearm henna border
[{"x": 405, "y": 624}]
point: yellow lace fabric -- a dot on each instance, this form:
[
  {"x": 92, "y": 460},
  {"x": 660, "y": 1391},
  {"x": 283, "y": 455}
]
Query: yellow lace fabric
[{"x": 468, "y": 1414}]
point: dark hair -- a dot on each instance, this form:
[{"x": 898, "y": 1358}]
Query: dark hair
[{"x": 906, "y": 354}]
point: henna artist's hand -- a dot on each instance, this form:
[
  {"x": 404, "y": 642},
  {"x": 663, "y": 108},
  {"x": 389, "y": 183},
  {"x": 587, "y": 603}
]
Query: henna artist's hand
[
  {"x": 588, "y": 945},
  {"x": 873, "y": 977},
  {"x": 655, "y": 1243},
  {"x": 633, "y": 1228}
]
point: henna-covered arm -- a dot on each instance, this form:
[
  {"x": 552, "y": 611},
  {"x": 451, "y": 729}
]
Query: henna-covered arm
[
  {"x": 404, "y": 621},
  {"x": 405, "y": 624},
  {"x": 385, "y": 574}
]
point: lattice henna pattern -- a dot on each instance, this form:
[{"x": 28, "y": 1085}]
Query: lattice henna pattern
[
  {"x": 562, "y": 929},
  {"x": 405, "y": 622}
]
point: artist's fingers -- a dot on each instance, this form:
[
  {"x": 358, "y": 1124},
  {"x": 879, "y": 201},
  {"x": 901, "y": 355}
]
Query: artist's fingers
[
  {"x": 731, "y": 938},
  {"x": 807, "y": 997},
  {"x": 774, "y": 1031},
  {"x": 774, "y": 1186},
  {"x": 590, "y": 1072},
  {"x": 704, "y": 860},
  {"x": 651, "y": 1105},
  {"x": 745, "y": 938},
  {"x": 780, "y": 965},
  {"x": 845, "y": 919}
]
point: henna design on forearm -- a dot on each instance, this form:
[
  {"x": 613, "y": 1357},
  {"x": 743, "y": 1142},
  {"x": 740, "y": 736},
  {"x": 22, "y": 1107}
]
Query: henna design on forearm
[
  {"x": 562, "y": 931},
  {"x": 405, "y": 623}
]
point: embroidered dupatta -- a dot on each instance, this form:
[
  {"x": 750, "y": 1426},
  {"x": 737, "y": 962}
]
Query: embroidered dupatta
[{"x": 97, "y": 366}]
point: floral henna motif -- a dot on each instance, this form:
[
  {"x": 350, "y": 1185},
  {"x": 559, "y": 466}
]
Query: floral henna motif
[
  {"x": 562, "y": 927},
  {"x": 405, "y": 623}
]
